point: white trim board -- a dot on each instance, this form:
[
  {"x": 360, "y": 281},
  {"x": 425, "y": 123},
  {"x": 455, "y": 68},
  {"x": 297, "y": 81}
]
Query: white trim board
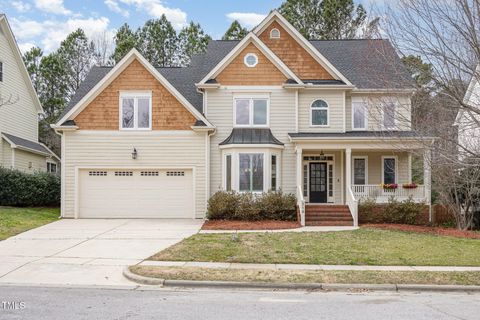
[{"x": 116, "y": 71}]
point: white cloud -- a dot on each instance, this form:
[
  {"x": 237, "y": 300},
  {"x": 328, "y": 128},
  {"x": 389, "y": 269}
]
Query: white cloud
[
  {"x": 52, "y": 6},
  {"x": 24, "y": 47},
  {"x": 21, "y": 6},
  {"x": 49, "y": 33},
  {"x": 115, "y": 7},
  {"x": 248, "y": 20},
  {"x": 155, "y": 8}
]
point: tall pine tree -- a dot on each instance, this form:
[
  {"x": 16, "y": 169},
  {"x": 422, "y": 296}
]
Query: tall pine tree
[
  {"x": 235, "y": 32},
  {"x": 125, "y": 40},
  {"x": 192, "y": 40}
]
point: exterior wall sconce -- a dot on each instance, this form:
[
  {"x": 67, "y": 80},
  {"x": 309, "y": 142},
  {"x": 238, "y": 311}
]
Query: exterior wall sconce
[{"x": 134, "y": 154}]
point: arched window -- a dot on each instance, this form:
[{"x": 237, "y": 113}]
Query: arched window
[
  {"x": 275, "y": 34},
  {"x": 319, "y": 113}
]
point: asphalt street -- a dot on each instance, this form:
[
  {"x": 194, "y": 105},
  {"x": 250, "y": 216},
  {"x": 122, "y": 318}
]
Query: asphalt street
[{"x": 23, "y": 302}]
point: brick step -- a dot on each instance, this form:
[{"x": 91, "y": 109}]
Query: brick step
[
  {"x": 320, "y": 213},
  {"x": 323, "y": 209},
  {"x": 329, "y": 223},
  {"x": 328, "y": 219}
]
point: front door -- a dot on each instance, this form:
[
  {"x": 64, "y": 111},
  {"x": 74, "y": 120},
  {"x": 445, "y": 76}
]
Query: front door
[{"x": 318, "y": 182}]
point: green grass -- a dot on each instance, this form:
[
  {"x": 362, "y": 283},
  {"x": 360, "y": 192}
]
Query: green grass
[
  {"x": 309, "y": 276},
  {"x": 17, "y": 220},
  {"x": 364, "y": 246}
]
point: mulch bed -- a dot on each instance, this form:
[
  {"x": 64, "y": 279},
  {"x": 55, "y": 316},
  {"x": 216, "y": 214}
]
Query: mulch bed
[
  {"x": 431, "y": 230},
  {"x": 249, "y": 225}
]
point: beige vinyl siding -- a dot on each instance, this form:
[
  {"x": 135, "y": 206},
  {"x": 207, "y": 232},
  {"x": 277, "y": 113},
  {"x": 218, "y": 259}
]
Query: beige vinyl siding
[
  {"x": 23, "y": 159},
  {"x": 334, "y": 98},
  {"x": 375, "y": 105},
  {"x": 21, "y": 118},
  {"x": 375, "y": 165},
  {"x": 112, "y": 149},
  {"x": 282, "y": 122}
]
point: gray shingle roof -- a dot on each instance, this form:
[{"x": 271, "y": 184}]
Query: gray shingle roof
[
  {"x": 32, "y": 145},
  {"x": 358, "y": 134},
  {"x": 368, "y": 64},
  {"x": 251, "y": 136}
]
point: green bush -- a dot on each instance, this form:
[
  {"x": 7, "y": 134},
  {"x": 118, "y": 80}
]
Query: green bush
[
  {"x": 19, "y": 189},
  {"x": 404, "y": 212},
  {"x": 369, "y": 211},
  {"x": 273, "y": 205}
]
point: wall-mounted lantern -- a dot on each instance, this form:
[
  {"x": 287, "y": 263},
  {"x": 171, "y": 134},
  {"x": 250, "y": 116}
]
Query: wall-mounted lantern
[{"x": 134, "y": 154}]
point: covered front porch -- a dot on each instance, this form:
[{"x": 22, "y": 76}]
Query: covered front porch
[{"x": 342, "y": 173}]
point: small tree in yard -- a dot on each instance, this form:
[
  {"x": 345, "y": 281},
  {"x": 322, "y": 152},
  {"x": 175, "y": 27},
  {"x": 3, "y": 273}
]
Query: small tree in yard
[{"x": 440, "y": 42}]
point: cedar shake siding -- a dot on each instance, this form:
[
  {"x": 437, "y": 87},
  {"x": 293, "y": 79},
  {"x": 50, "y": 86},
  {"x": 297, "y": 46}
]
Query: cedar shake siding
[
  {"x": 103, "y": 112},
  {"x": 264, "y": 73},
  {"x": 293, "y": 55}
]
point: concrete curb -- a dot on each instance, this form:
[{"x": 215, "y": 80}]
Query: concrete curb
[
  {"x": 296, "y": 286},
  {"x": 141, "y": 279}
]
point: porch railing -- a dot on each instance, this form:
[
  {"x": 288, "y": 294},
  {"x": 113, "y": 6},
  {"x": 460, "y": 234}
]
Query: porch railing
[
  {"x": 352, "y": 203},
  {"x": 301, "y": 205},
  {"x": 381, "y": 194}
]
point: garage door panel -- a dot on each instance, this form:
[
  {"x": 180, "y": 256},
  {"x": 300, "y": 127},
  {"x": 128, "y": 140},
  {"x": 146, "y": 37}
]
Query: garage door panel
[{"x": 136, "y": 194}]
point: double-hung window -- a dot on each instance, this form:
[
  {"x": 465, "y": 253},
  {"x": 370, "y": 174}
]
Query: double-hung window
[
  {"x": 1, "y": 71},
  {"x": 51, "y": 167},
  {"x": 250, "y": 168},
  {"x": 389, "y": 167},
  {"x": 136, "y": 110},
  {"x": 359, "y": 170},
  {"x": 251, "y": 112},
  {"x": 389, "y": 115},
  {"x": 359, "y": 116},
  {"x": 319, "y": 113}
]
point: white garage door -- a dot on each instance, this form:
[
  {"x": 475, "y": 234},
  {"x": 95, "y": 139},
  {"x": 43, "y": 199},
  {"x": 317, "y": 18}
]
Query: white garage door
[{"x": 136, "y": 194}]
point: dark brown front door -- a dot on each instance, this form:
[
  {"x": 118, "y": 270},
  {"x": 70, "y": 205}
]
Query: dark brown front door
[{"x": 318, "y": 182}]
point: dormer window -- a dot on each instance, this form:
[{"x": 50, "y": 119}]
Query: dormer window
[
  {"x": 275, "y": 33},
  {"x": 136, "y": 110},
  {"x": 251, "y": 60}
]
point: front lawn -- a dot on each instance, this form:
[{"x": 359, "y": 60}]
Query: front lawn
[
  {"x": 365, "y": 246},
  {"x": 17, "y": 220},
  {"x": 309, "y": 276}
]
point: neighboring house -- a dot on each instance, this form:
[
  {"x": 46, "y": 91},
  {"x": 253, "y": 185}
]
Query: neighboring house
[
  {"x": 19, "y": 111},
  {"x": 468, "y": 121},
  {"x": 271, "y": 112}
]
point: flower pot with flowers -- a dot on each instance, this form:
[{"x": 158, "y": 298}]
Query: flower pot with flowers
[
  {"x": 410, "y": 186},
  {"x": 389, "y": 186}
]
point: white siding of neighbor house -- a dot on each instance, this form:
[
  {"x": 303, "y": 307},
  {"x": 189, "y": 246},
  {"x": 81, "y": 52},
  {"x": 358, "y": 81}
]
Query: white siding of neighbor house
[
  {"x": 334, "y": 98},
  {"x": 375, "y": 104},
  {"x": 112, "y": 149},
  {"x": 23, "y": 159},
  {"x": 6, "y": 153},
  {"x": 21, "y": 118},
  {"x": 282, "y": 122},
  {"x": 468, "y": 128}
]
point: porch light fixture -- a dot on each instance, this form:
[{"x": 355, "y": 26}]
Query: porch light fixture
[
  {"x": 134, "y": 154},
  {"x": 322, "y": 155}
]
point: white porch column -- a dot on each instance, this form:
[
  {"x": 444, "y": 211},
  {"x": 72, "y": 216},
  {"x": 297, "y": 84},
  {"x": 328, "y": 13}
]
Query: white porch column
[
  {"x": 427, "y": 179},
  {"x": 348, "y": 169},
  {"x": 300, "y": 184}
]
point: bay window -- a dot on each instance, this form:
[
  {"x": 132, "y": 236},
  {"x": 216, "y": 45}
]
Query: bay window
[
  {"x": 251, "y": 112},
  {"x": 250, "y": 172},
  {"x": 135, "y": 111},
  {"x": 228, "y": 172},
  {"x": 273, "y": 173}
]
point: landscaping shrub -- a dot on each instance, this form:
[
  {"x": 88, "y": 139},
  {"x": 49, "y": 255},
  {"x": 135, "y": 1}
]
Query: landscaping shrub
[
  {"x": 369, "y": 211},
  {"x": 399, "y": 212},
  {"x": 250, "y": 207},
  {"x": 19, "y": 189}
]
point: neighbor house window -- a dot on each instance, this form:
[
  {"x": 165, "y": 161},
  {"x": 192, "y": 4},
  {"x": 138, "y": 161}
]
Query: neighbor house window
[
  {"x": 275, "y": 33},
  {"x": 319, "y": 113},
  {"x": 251, "y": 112},
  {"x": 359, "y": 114},
  {"x": 274, "y": 172},
  {"x": 250, "y": 172},
  {"x": 359, "y": 171},
  {"x": 389, "y": 170},
  {"x": 51, "y": 167},
  {"x": 228, "y": 173},
  {"x": 1, "y": 71},
  {"x": 136, "y": 111},
  {"x": 389, "y": 111}
]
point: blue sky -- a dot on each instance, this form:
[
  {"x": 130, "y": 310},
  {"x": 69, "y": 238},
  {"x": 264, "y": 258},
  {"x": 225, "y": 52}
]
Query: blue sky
[{"x": 46, "y": 22}]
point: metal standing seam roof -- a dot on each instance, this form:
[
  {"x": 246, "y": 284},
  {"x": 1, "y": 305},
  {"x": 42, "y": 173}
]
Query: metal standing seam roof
[
  {"x": 367, "y": 64},
  {"x": 251, "y": 136}
]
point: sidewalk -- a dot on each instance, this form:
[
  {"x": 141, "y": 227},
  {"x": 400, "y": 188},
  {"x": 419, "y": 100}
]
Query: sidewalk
[{"x": 223, "y": 265}]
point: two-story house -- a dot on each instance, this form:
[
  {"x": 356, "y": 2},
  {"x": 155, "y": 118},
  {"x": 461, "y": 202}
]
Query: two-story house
[
  {"x": 19, "y": 111},
  {"x": 273, "y": 111}
]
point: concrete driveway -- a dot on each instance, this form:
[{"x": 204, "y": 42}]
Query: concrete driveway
[{"x": 87, "y": 252}]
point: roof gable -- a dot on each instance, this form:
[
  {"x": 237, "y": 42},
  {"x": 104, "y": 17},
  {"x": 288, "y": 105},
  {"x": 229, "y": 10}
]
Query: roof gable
[
  {"x": 276, "y": 17},
  {"x": 113, "y": 73},
  {"x": 5, "y": 28}
]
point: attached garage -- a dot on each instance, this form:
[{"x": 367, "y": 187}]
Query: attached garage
[{"x": 136, "y": 193}]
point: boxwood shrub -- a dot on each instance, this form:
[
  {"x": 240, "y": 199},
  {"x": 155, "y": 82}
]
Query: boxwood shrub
[
  {"x": 274, "y": 205},
  {"x": 19, "y": 189}
]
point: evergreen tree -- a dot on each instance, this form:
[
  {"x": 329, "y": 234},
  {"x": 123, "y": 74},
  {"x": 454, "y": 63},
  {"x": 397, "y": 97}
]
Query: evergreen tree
[
  {"x": 158, "y": 42},
  {"x": 125, "y": 40},
  {"x": 32, "y": 59},
  {"x": 192, "y": 40},
  {"x": 235, "y": 32}
]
